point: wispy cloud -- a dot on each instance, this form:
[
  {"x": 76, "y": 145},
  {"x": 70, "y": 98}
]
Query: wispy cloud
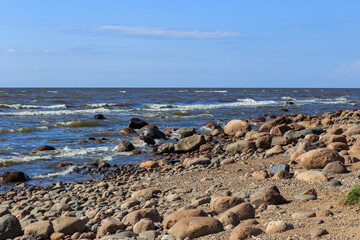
[
  {"x": 348, "y": 70},
  {"x": 296, "y": 26},
  {"x": 158, "y": 32},
  {"x": 9, "y": 50}
]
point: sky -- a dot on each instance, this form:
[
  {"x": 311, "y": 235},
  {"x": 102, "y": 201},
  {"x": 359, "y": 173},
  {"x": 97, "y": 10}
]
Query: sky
[{"x": 187, "y": 43}]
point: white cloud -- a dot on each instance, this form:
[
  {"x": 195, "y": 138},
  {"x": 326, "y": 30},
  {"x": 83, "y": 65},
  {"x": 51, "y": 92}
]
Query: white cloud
[
  {"x": 10, "y": 50},
  {"x": 348, "y": 70},
  {"x": 160, "y": 32}
]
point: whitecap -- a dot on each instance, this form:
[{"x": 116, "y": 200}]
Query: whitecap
[{"x": 56, "y": 174}]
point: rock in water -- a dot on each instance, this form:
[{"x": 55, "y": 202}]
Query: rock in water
[
  {"x": 125, "y": 146},
  {"x": 9, "y": 227},
  {"x": 137, "y": 123},
  {"x": 189, "y": 143},
  {"x": 99, "y": 116},
  {"x": 14, "y": 177},
  {"x": 43, "y": 148}
]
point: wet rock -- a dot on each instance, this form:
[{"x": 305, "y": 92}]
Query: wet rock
[
  {"x": 312, "y": 176},
  {"x": 145, "y": 139},
  {"x": 43, "y": 148},
  {"x": 245, "y": 231},
  {"x": 278, "y": 227},
  {"x": 41, "y": 229},
  {"x": 195, "y": 227},
  {"x": 14, "y": 177},
  {"x": 133, "y": 217},
  {"x": 173, "y": 218},
  {"x": 99, "y": 116},
  {"x": 234, "y": 126},
  {"x": 258, "y": 119},
  {"x": 9, "y": 227},
  {"x": 190, "y": 143},
  {"x": 220, "y": 204},
  {"x": 125, "y": 146},
  {"x": 109, "y": 225},
  {"x": 279, "y": 167},
  {"x": 152, "y": 132},
  {"x": 186, "y": 130},
  {"x": 68, "y": 225},
  {"x": 319, "y": 158},
  {"x": 137, "y": 123},
  {"x": 127, "y": 131},
  {"x": 267, "y": 196},
  {"x": 240, "y": 147}
]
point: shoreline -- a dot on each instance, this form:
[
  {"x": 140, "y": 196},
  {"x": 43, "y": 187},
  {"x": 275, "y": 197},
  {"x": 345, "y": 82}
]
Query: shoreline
[{"x": 214, "y": 173}]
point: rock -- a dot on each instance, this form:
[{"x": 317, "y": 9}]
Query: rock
[
  {"x": 122, "y": 235},
  {"x": 197, "y": 161},
  {"x": 125, "y": 146},
  {"x": 68, "y": 225},
  {"x": 262, "y": 174},
  {"x": 99, "y": 116},
  {"x": 277, "y": 227},
  {"x": 61, "y": 207},
  {"x": 143, "y": 225},
  {"x": 57, "y": 236},
  {"x": 267, "y": 196},
  {"x": 173, "y": 218},
  {"x": 195, "y": 227},
  {"x": 137, "y": 123},
  {"x": 127, "y": 131},
  {"x": 335, "y": 183},
  {"x": 220, "y": 204},
  {"x": 245, "y": 231},
  {"x": 165, "y": 148},
  {"x": 172, "y": 197},
  {"x": 274, "y": 151},
  {"x": 145, "y": 193},
  {"x": 263, "y": 142},
  {"x": 189, "y": 143},
  {"x": 303, "y": 215},
  {"x": 354, "y": 130},
  {"x": 319, "y": 158},
  {"x": 354, "y": 149},
  {"x": 41, "y": 229},
  {"x": 240, "y": 147},
  {"x": 312, "y": 176},
  {"x": 14, "y": 177},
  {"x": 109, "y": 225},
  {"x": 227, "y": 161},
  {"x": 281, "y": 141},
  {"x": 305, "y": 197},
  {"x": 243, "y": 211},
  {"x": 330, "y": 138},
  {"x": 151, "y": 234},
  {"x": 312, "y": 138},
  {"x": 43, "y": 148},
  {"x": 258, "y": 119},
  {"x": 143, "y": 139},
  {"x": 229, "y": 218},
  {"x": 279, "y": 167},
  {"x": 338, "y": 145},
  {"x": 186, "y": 130},
  {"x": 149, "y": 164},
  {"x": 282, "y": 175},
  {"x": 234, "y": 126},
  {"x": 317, "y": 232},
  {"x": 266, "y": 127},
  {"x": 152, "y": 132},
  {"x": 315, "y": 130},
  {"x": 279, "y": 130},
  {"x": 9, "y": 227},
  {"x": 334, "y": 167},
  {"x": 137, "y": 215}
]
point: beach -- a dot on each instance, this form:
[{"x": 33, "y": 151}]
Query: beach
[{"x": 214, "y": 164}]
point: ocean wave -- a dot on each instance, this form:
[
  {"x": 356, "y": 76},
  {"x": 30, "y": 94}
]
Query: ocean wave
[
  {"x": 56, "y": 174},
  {"x": 21, "y": 106},
  {"x": 211, "y": 91},
  {"x": 287, "y": 98},
  {"x": 60, "y": 112},
  {"x": 52, "y": 91},
  {"x": 101, "y": 105},
  {"x": 77, "y": 124},
  {"x": 23, "y": 129}
]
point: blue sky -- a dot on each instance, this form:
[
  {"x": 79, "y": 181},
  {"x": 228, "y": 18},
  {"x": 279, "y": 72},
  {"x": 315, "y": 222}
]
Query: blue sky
[{"x": 198, "y": 43}]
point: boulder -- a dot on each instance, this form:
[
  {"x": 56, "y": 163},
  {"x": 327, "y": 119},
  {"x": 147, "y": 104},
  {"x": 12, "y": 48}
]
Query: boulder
[
  {"x": 68, "y": 225},
  {"x": 9, "y": 227},
  {"x": 143, "y": 225},
  {"x": 279, "y": 130},
  {"x": 263, "y": 142},
  {"x": 165, "y": 148},
  {"x": 41, "y": 229},
  {"x": 280, "y": 167},
  {"x": 228, "y": 218},
  {"x": 355, "y": 149},
  {"x": 278, "y": 140},
  {"x": 149, "y": 164},
  {"x": 43, "y": 148},
  {"x": 318, "y": 158},
  {"x": 266, "y": 127},
  {"x": 189, "y": 143},
  {"x": 195, "y": 227},
  {"x": 245, "y": 231},
  {"x": 274, "y": 151},
  {"x": 197, "y": 161},
  {"x": 330, "y": 138},
  {"x": 354, "y": 130},
  {"x": 240, "y": 147},
  {"x": 220, "y": 204},
  {"x": 127, "y": 131},
  {"x": 109, "y": 225},
  {"x": 14, "y": 177},
  {"x": 137, "y": 123},
  {"x": 145, "y": 193},
  {"x": 334, "y": 167},
  {"x": 243, "y": 211},
  {"x": 141, "y": 139},
  {"x": 133, "y": 217},
  {"x": 173, "y": 218},
  {"x": 234, "y": 126},
  {"x": 312, "y": 176},
  {"x": 186, "y": 130},
  {"x": 152, "y": 132},
  {"x": 125, "y": 146},
  {"x": 267, "y": 196},
  {"x": 338, "y": 145}
]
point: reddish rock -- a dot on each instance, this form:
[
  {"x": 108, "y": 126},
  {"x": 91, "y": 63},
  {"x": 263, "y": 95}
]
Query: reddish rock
[
  {"x": 43, "y": 148},
  {"x": 137, "y": 215},
  {"x": 243, "y": 211},
  {"x": 220, "y": 204},
  {"x": 245, "y": 231},
  {"x": 149, "y": 164},
  {"x": 267, "y": 196},
  {"x": 262, "y": 174},
  {"x": 279, "y": 130},
  {"x": 125, "y": 146},
  {"x": 68, "y": 225},
  {"x": 127, "y": 131},
  {"x": 109, "y": 225},
  {"x": 338, "y": 145},
  {"x": 143, "y": 225},
  {"x": 234, "y": 126},
  {"x": 240, "y": 147},
  {"x": 141, "y": 139},
  {"x": 212, "y": 126},
  {"x": 14, "y": 177},
  {"x": 318, "y": 158},
  {"x": 354, "y": 130},
  {"x": 258, "y": 119},
  {"x": 266, "y": 127},
  {"x": 312, "y": 176},
  {"x": 173, "y": 218}
]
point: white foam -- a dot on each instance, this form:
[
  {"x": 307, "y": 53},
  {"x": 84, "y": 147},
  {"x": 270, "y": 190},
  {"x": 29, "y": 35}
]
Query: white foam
[
  {"x": 60, "y": 112},
  {"x": 52, "y": 91},
  {"x": 211, "y": 91},
  {"x": 77, "y": 124},
  {"x": 21, "y": 106},
  {"x": 122, "y": 91},
  {"x": 56, "y": 174},
  {"x": 287, "y": 98}
]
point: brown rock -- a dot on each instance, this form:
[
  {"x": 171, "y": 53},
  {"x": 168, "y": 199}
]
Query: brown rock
[
  {"x": 125, "y": 146},
  {"x": 13, "y": 177},
  {"x": 354, "y": 130},
  {"x": 143, "y": 139},
  {"x": 262, "y": 174},
  {"x": 195, "y": 227},
  {"x": 312, "y": 138},
  {"x": 334, "y": 167},
  {"x": 278, "y": 140},
  {"x": 220, "y": 204},
  {"x": 173, "y": 218},
  {"x": 234, "y": 126},
  {"x": 165, "y": 148},
  {"x": 258, "y": 119},
  {"x": 338, "y": 145},
  {"x": 318, "y": 158},
  {"x": 279, "y": 130},
  {"x": 228, "y": 218},
  {"x": 266, "y": 127},
  {"x": 282, "y": 175},
  {"x": 57, "y": 236},
  {"x": 245, "y": 231},
  {"x": 303, "y": 215},
  {"x": 263, "y": 142},
  {"x": 109, "y": 225},
  {"x": 137, "y": 215},
  {"x": 43, "y": 148},
  {"x": 127, "y": 131},
  {"x": 276, "y": 150},
  {"x": 189, "y": 143},
  {"x": 68, "y": 225},
  {"x": 243, "y": 211},
  {"x": 329, "y": 138},
  {"x": 197, "y": 161},
  {"x": 240, "y": 147},
  {"x": 277, "y": 227},
  {"x": 266, "y": 196},
  {"x": 227, "y": 161},
  {"x": 354, "y": 149},
  {"x": 143, "y": 225},
  {"x": 149, "y": 164},
  {"x": 312, "y": 176}
]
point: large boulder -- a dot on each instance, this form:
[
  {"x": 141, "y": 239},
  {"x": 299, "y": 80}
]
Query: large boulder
[
  {"x": 125, "y": 146},
  {"x": 9, "y": 227},
  {"x": 267, "y": 196},
  {"x": 152, "y": 132},
  {"x": 165, "y": 148},
  {"x": 41, "y": 229},
  {"x": 245, "y": 231},
  {"x": 173, "y": 218},
  {"x": 14, "y": 177},
  {"x": 133, "y": 217},
  {"x": 240, "y": 146},
  {"x": 319, "y": 158},
  {"x": 234, "y": 126},
  {"x": 68, "y": 225},
  {"x": 137, "y": 123},
  {"x": 220, "y": 204},
  {"x": 266, "y": 127},
  {"x": 194, "y": 227},
  {"x": 189, "y": 144}
]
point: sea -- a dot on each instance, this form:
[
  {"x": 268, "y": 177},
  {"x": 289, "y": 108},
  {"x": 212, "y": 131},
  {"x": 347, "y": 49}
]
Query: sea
[{"x": 61, "y": 117}]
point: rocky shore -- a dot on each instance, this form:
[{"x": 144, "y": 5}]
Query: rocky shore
[{"x": 285, "y": 180}]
